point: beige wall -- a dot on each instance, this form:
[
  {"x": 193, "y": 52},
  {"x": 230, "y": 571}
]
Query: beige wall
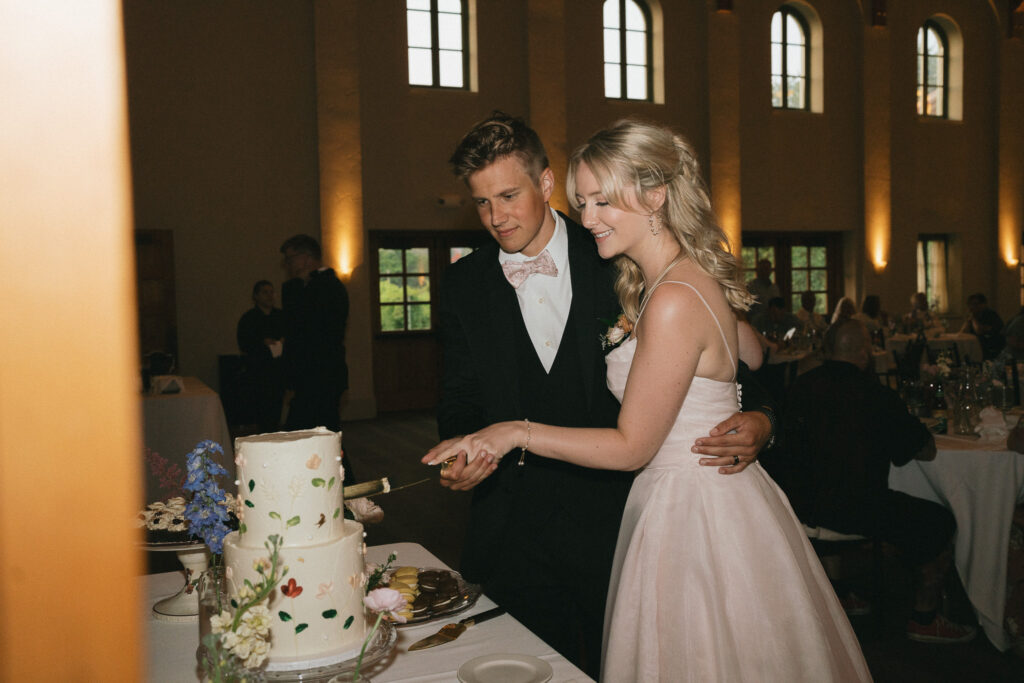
[
  {"x": 235, "y": 147},
  {"x": 222, "y": 105}
]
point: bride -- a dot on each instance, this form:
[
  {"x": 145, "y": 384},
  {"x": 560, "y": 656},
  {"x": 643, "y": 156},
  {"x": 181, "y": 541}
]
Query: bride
[{"x": 713, "y": 577}]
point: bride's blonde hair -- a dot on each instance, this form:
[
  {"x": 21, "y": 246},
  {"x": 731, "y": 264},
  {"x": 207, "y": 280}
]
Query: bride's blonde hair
[{"x": 645, "y": 157}]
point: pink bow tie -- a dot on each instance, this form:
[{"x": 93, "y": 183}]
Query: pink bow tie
[{"x": 516, "y": 272}]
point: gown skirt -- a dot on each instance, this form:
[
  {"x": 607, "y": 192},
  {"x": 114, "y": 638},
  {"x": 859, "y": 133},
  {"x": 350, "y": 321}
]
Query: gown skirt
[{"x": 713, "y": 577}]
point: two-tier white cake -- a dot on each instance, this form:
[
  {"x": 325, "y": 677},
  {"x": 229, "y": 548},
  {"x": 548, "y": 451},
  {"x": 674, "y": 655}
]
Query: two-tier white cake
[{"x": 291, "y": 485}]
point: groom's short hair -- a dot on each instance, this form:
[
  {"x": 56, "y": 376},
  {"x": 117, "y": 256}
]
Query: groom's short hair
[{"x": 497, "y": 137}]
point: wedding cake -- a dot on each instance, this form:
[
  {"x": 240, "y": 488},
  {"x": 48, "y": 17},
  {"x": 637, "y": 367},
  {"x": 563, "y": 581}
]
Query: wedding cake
[{"x": 290, "y": 484}]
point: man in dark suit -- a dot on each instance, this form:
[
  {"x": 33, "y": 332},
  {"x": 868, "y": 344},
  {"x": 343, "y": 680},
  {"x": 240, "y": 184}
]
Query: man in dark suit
[
  {"x": 259, "y": 333},
  {"x": 521, "y": 321},
  {"x": 316, "y": 312}
]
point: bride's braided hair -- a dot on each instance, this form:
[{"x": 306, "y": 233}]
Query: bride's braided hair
[{"x": 644, "y": 156}]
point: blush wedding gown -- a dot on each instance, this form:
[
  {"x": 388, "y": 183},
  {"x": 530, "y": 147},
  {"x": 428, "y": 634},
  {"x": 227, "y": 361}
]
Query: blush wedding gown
[{"x": 713, "y": 577}]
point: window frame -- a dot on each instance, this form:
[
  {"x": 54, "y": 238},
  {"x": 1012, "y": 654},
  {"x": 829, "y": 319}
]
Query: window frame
[
  {"x": 645, "y": 10},
  {"x": 438, "y": 244},
  {"x": 789, "y": 11},
  {"x": 782, "y": 272},
  {"x": 922, "y": 97},
  {"x": 435, "y": 48}
]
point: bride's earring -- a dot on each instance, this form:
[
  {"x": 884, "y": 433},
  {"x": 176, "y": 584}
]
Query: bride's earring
[{"x": 654, "y": 221}]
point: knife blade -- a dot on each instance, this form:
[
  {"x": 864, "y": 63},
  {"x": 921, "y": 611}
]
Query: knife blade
[{"x": 450, "y": 632}]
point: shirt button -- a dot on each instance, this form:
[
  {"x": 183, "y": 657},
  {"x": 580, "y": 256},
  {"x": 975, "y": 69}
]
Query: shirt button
[
  {"x": 540, "y": 300},
  {"x": 547, "y": 343}
]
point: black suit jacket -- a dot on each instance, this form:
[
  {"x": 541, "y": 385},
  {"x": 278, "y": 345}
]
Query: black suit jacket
[
  {"x": 316, "y": 313},
  {"x": 479, "y": 315}
]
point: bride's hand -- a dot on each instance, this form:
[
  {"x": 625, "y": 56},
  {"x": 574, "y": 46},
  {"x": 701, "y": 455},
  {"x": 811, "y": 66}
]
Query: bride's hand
[{"x": 490, "y": 443}]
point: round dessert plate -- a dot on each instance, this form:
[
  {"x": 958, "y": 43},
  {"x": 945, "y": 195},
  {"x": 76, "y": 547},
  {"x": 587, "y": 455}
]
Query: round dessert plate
[
  {"x": 382, "y": 642},
  {"x": 468, "y": 594},
  {"x": 171, "y": 545},
  {"x": 506, "y": 669}
]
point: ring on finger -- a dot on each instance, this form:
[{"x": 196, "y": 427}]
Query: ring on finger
[{"x": 735, "y": 460}]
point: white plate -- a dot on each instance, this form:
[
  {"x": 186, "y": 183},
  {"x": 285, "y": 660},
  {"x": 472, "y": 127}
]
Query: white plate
[{"x": 505, "y": 669}]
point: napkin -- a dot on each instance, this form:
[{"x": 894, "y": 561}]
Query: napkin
[
  {"x": 992, "y": 425},
  {"x": 167, "y": 384}
]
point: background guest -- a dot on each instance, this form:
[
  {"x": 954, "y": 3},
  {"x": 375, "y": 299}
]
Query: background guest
[
  {"x": 919, "y": 318},
  {"x": 812, "y": 321},
  {"x": 762, "y": 287},
  {"x": 259, "y": 333},
  {"x": 985, "y": 324},
  {"x": 872, "y": 315},
  {"x": 842, "y": 432},
  {"x": 845, "y": 310},
  {"x": 775, "y": 322}
]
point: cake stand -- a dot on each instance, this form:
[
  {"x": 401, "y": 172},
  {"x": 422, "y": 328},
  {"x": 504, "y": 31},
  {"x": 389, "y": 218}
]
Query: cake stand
[{"x": 183, "y": 605}]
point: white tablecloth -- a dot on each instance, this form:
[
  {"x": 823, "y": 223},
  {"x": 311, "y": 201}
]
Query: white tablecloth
[
  {"x": 967, "y": 345},
  {"x": 980, "y": 483},
  {"x": 172, "y": 646},
  {"x": 174, "y": 423}
]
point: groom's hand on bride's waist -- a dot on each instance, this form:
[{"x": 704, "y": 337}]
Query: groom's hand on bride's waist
[{"x": 735, "y": 443}]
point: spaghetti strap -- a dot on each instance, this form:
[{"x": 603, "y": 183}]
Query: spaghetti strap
[{"x": 732, "y": 361}]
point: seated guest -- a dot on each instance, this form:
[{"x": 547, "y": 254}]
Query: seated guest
[
  {"x": 985, "y": 324},
  {"x": 872, "y": 315},
  {"x": 1014, "y": 334},
  {"x": 259, "y": 333},
  {"x": 920, "y": 318},
  {"x": 775, "y": 321},
  {"x": 845, "y": 310},
  {"x": 812, "y": 322},
  {"x": 843, "y": 430},
  {"x": 1013, "y": 614}
]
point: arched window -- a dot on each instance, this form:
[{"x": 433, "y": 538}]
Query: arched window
[
  {"x": 627, "y": 50},
  {"x": 932, "y": 71},
  {"x": 437, "y": 34},
  {"x": 791, "y": 62}
]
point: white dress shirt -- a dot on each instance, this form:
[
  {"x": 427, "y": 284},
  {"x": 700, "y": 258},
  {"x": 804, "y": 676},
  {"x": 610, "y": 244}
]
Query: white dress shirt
[{"x": 544, "y": 300}]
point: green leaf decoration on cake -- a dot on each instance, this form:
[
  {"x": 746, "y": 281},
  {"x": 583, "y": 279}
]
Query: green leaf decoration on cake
[
  {"x": 293, "y": 521},
  {"x": 348, "y": 622},
  {"x": 242, "y": 528},
  {"x": 337, "y": 512},
  {"x": 301, "y": 627},
  {"x": 252, "y": 485},
  {"x": 330, "y": 614},
  {"x": 234, "y": 603},
  {"x": 249, "y": 503},
  {"x": 319, "y": 482},
  {"x": 284, "y": 616},
  {"x": 330, "y": 484},
  {"x": 274, "y": 515}
]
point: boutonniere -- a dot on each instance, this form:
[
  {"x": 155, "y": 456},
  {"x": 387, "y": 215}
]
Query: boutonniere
[{"x": 618, "y": 332}]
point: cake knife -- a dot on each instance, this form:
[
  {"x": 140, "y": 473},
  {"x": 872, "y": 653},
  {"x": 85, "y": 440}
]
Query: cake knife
[{"x": 450, "y": 632}]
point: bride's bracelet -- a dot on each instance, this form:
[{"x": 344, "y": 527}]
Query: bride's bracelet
[{"x": 522, "y": 453}]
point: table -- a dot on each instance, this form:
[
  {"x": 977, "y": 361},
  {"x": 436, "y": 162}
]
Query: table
[
  {"x": 980, "y": 483},
  {"x": 174, "y": 423},
  {"x": 967, "y": 345},
  {"x": 172, "y": 646}
]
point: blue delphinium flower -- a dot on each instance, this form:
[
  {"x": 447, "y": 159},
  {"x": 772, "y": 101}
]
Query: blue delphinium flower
[{"x": 207, "y": 511}]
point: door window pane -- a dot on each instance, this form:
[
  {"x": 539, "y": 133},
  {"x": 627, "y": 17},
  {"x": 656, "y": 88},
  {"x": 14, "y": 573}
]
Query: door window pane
[
  {"x": 391, "y": 290},
  {"x": 417, "y": 288},
  {"x": 392, "y": 318},
  {"x": 389, "y": 261},
  {"x": 419, "y": 316}
]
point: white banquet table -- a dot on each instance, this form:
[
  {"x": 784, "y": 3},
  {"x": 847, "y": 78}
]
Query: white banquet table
[
  {"x": 174, "y": 423},
  {"x": 172, "y": 646},
  {"x": 981, "y": 483}
]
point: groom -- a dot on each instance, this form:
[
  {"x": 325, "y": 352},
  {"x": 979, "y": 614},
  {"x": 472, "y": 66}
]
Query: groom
[{"x": 521, "y": 322}]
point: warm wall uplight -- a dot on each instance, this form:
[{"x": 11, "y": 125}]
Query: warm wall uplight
[{"x": 878, "y": 237}]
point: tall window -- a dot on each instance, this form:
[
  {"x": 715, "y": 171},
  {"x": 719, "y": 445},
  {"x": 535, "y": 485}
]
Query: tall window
[
  {"x": 436, "y": 31},
  {"x": 932, "y": 70},
  {"x": 627, "y": 50},
  {"x": 932, "y": 273},
  {"x": 790, "y": 59}
]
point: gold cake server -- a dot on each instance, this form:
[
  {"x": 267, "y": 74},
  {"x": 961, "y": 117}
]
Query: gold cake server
[{"x": 450, "y": 632}]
